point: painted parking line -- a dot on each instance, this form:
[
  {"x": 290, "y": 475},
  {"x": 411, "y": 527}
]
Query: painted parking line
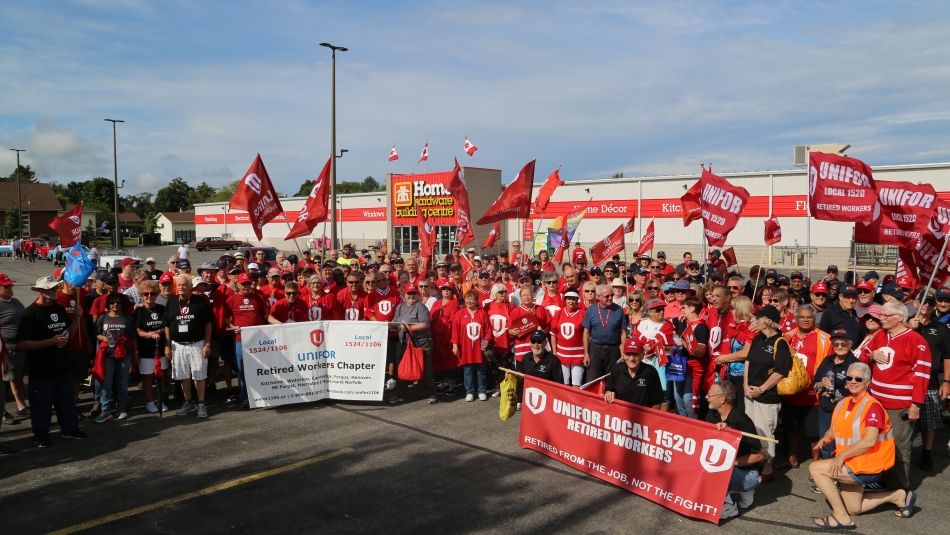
[{"x": 226, "y": 485}]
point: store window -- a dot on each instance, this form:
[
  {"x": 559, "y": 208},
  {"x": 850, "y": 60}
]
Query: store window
[{"x": 406, "y": 239}]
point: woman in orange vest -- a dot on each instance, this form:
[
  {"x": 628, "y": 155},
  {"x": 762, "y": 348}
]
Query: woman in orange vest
[{"x": 864, "y": 451}]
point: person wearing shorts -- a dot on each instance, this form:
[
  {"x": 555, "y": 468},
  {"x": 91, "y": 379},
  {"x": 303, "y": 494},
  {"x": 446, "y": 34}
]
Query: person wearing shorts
[
  {"x": 188, "y": 322},
  {"x": 937, "y": 336},
  {"x": 150, "y": 328}
]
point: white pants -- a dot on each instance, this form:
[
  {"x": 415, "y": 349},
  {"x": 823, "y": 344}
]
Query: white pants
[
  {"x": 573, "y": 375},
  {"x": 188, "y": 361}
]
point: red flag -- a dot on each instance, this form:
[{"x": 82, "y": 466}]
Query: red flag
[
  {"x": 690, "y": 202},
  {"x": 773, "y": 231},
  {"x": 646, "y": 242},
  {"x": 426, "y": 234},
  {"x": 547, "y": 189},
  {"x": 459, "y": 189},
  {"x": 841, "y": 188},
  {"x": 607, "y": 247},
  {"x": 466, "y": 264},
  {"x": 469, "y": 147},
  {"x": 493, "y": 235},
  {"x": 315, "y": 210},
  {"x": 68, "y": 226},
  {"x": 515, "y": 200},
  {"x": 729, "y": 255},
  {"x": 901, "y": 215},
  {"x": 629, "y": 225},
  {"x": 722, "y": 205},
  {"x": 393, "y": 155},
  {"x": 925, "y": 257},
  {"x": 257, "y": 196},
  {"x": 424, "y": 157}
]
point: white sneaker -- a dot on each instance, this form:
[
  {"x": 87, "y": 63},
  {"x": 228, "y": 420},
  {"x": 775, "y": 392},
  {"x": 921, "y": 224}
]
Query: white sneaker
[
  {"x": 391, "y": 384},
  {"x": 151, "y": 408},
  {"x": 495, "y": 394},
  {"x": 482, "y": 397},
  {"x": 746, "y": 498},
  {"x": 469, "y": 397},
  {"x": 518, "y": 407},
  {"x": 123, "y": 416}
]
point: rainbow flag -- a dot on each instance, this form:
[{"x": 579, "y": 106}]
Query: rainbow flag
[{"x": 562, "y": 230}]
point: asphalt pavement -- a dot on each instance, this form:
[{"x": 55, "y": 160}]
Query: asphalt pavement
[{"x": 341, "y": 467}]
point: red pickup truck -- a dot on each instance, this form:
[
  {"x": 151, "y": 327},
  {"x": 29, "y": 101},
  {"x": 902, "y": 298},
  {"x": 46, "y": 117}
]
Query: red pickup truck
[{"x": 215, "y": 242}]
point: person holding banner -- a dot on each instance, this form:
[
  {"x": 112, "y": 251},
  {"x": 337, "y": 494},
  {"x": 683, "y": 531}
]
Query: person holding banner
[
  {"x": 864, "y": 451},
  {"x": 745, "y": 473},
  {"x": 243, "y": 309},
  {"x": 633, "y": 381}
]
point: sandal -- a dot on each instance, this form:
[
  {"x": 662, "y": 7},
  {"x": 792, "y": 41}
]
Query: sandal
[
  {"x": 909, "y": 502},
  {"x": 826, "y": 523}
]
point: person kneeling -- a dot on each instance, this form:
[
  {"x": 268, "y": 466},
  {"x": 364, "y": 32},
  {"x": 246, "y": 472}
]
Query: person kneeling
[
  {"x": 745, "y": 473},
  {"x": 864, "y": 451}
]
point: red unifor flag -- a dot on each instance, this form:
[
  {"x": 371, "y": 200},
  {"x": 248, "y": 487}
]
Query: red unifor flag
[
  {"x": 547, "y": 189},
  {"x": 315, "y": 210},
  {"x": 393, "y": 155},
  {"x": 681, "y": 464},
  {"x": 628, "y": 227},
  {"x": 68, "y": 226},
  {"x": 256, "y": 195},
  {"x": 466, "y": 264},
  {"x": 493, "y": 235},
  {"x": 925, "y": 257},
  {"x": 773, "y": 231},
  {"x": 729, "y": 255},
  {"x": 690, "y": 202},
  {"x": 722, "y": 205},
  {"x": 646, "y": 241},
  {"x": 469, "y": 147},
  {"x": 841, "y": 188},
  {"x": 515, "y": 200},
  {"x": 607, "y": 247},
  {"x": 426, "y": 234},
  {"x": 424, "y": 157},
  {"x": 459, "y": 190},
  {"x": 901, "y": 215}
]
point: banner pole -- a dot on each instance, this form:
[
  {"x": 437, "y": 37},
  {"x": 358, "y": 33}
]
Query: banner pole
[
  {"x": 295, "y": 239},
  {"x": 323, "y": 244},
  {"x": 854, "y": 250},
  {"x": 933, "y": 273},
  {"x": 808, "y": 218}
]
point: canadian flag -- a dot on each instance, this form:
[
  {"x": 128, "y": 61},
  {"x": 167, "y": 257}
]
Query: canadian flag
[
  {"x": 393, "y": 155},
  {"x": 469, "y": 147},
  {"x": 773, "y": 231},
  {"x": 493, "y": 235},
  {"x": 608, "y": 246},
  {"x": 646, "y": 242},
  {"x": 256, "y": 195},
  {"x": 68, "y": 226},
  {"x": 424, "y": 157},
  {"x": 315, "y": 210}
]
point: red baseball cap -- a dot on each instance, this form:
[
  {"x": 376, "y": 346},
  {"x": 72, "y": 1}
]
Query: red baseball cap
[
  {"x": 244, "y": 278},
  {"x": 411, "y": 288},
  {"x": 5, "y": 280},
  {"x": 166, "y": 277},
  {"x": 865, "y": 285},
  {"x": 127, "y": 261},
  {"x": 632, "y": 346},
  {"x": 819, "y": 288}
]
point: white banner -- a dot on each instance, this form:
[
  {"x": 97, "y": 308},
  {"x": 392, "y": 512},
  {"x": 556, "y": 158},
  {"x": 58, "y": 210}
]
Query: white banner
[{"x": 301, "y": 362}]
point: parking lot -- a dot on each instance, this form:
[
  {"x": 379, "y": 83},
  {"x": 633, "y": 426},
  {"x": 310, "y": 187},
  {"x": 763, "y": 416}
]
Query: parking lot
[{"x": 340, "y": 467}]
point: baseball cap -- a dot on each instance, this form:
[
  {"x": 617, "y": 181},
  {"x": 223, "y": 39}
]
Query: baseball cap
[
  {"x": 661, "y": 254},
  {"x": 596, "y": 271},
  {"x": 184, "y": 264},
  {"x": 484, "y": 275},
  {"x": 127, "y": 261},
  {"x": 441, "y": 263},
  {"x": 942, "y": 294},
  {"x": 839, "y": 334},
  {"x": 667, "y": 286},
  {"x": 769, "y": 312},
  {"x": 45, "y": 283},
  {"x": 197, "y": 281},
  {"x": 253, "y": 265},
  {"x": 782, "y": 280},
  {"x": 5, "y": 280},
  {"x": 682, "y": 286},
  {"x": 166, "y": 277},
  {"x": 411, "y": 288},
  {"x": 571, "y": 294},
  {"x": 538, "y": 337},
  {"x": 894, "y": 291},
  {"x": 656, "y": 304},
  {"x": 832, "y": 269},
  {"x": 208, "y": 266},
  {"x": 771, "y": 273},
  {"x": 632, "y": 347},
  {"x": 848, "y": 290},
  {"x": 797, "y": 275},
  {"x": 693, "y": 264},
  {"x": 238, "y": 255},
  {"x": 874, "y": 311},
  {"x": 871, "y": 275},
  {"x": 819, "y": 288},
  {"x": 523, "y": 275},
  {"x": 865, "y": 285},
  {"x": 244, "y": 278},
  {"x": 150, "y": 260}
]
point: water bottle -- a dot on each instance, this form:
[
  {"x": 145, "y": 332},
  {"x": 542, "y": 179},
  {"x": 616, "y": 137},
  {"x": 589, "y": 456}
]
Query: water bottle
[{"x": 830, "y": 375}]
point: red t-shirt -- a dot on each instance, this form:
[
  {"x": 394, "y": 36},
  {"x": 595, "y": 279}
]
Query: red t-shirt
[
  {"x": 469, "y": 329},
  {"x": 284, "y": 312},
  {"x": 381, "y": 306},
  {"x": 874, "y": 417},
  {"x": 246, "y": 310},
  {"x": 352, "y": 307}
]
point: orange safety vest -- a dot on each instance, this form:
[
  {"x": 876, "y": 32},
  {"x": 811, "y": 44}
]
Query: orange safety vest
[{"x": 848, "y": 429}]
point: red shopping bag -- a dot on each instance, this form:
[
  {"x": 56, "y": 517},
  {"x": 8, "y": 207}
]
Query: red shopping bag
[
  {"x": 412, "y": 363},
  {"x": 99, "y": 364}
]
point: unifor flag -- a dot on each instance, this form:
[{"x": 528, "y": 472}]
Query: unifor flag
[
  {"x": 515, "y": 200},
  {"x": 925, "y": 257},
  {"x": 426, "y": 234},
  {"x": 722, "y": 205},
  {"x": 690, "y": 202},
  {"x": 729, "y": 255},
  {"x": 628, "y": 227},
  {"x": 68, "y": 226},
  {"x": 547, "y": 189},
  {"x": 646, "y": 241},
  {"x": 315, "y": 209},
  {"x": 393, "y": 155},
  {"x": 561, "y": 232},
  {"x": 773, "y": 231},
  {"x": 840, "y": 188},
  {"x": 608, "y": 246},
  {"x": 78, "y": 266},
  {"x": 464, "y": 233},
  {"x": 256, "y": 195},
  {"x": 469, "y": 147},
  {"x": 901, "y": 215},
  {"x": 493, "y": 235},
  {"x": 424, "y": 157}
]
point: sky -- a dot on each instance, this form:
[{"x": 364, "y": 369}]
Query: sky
[{"x": 599, "y": 87}]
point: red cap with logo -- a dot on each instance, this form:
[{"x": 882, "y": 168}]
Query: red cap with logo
[
  {"x": 244, "y": 278},
  {"x": 865, "y": 285},
  {"x": 5, "y": 280},
  {"x": 819, "y": 288},
  {"x": 411, "y": 288},
  {"x": 166, "y": 277},
  {"x": 127, "y": 261},
  {"x": 632, "y": 347}
]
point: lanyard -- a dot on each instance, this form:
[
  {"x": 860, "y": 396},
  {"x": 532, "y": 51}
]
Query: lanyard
[
  {"x": 604, "y": 322},
  {"x": 181, "y": 309}
]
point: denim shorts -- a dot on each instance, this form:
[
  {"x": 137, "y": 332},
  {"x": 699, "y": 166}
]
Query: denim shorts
[{"x": 863, "y": 479}]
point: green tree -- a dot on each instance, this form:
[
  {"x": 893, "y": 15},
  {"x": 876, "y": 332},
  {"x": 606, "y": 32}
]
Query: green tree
[
  {"x": 140, "y": 203},
  {"x": 202, "y": 193},
  {"x": 175, "y": 197},
  {"x": 370, "y": 184},
  {"x": 10, "y": 222},
  {"x": 305, "y": 188},
  {"x": 27, "y": 174},
  {"x": 71, "y": 192},
  {"x": 618, "y": 174},
  {"x": 224, "y": 193},
  {"x": 150, "y": 220}
]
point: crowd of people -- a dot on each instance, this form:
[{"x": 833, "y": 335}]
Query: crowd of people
[{"x": 695, "y": 339}]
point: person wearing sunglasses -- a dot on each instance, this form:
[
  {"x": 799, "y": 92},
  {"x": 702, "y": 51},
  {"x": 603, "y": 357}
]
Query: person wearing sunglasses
[
  {"x": 861, "y": 431},
  {"x": 290, "y": 309},
  {"x": 552, "y": 301},
  {"x": 352, "y": 299},
  {"x": 829, "y": 384},
  {"x": 818, "y": 298}
]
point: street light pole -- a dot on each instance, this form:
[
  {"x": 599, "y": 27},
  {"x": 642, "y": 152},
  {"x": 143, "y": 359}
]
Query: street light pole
[
  {"x": 19, "y": 197},
  {"x": 333, "y": 215},
  {"x": 340, "y": 199},
  {"x": 115, "y": 170}
]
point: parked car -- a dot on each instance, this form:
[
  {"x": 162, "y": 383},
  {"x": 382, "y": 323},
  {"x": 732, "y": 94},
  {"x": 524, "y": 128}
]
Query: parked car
[
  {"x": 112, "y": 257},
  {"x": 250, "y": 253},
  {"x": 6, "y": 248},
  {"x": 216, "y": 242}
]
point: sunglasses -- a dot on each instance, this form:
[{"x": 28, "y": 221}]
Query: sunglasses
[
  {"x": 774, "y": 301},
  {"x": 735, "y": 287},
  {"x": 864, "y": 291},
  {"x": 146, "y": 294},
  {"x": 537, "y": 343},
  {"x": 589, "y": 291},
  {"x": 352, "y": 282},
  {"x": 653, "y": 288},
  {"x": 550, "y": 282},
  {"x": 290, "y": 293},
  {"x": 635, "y": 301},
  {"x": 841, "y": 343},
  {"x": 423, "y": 285},
  {"x": 850, "y": 379}
]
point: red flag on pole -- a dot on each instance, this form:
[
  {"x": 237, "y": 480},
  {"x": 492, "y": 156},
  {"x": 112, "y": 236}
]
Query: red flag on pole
[
  {"x": 547, "y": 189},
  {"x": 393, "y": 155},
  {"x": 729, "y": 255},
  {"x": 901, "y": 215},
  {"x": 68, "y": 226},
  {"x": 841, "y": 188},
  {"x": 646, "y": 242},
  {"x": 773, "y": 231},
  {"x": 426, "y": 234},
  {"x": 515, "y": 200},
  {"x": 629, "y": 225},
  {"x": 469, "y": 147},
  {"x": 722, "y": 205},
  {"x": 315, "y": 210},
  {"x": 493, "y": 235},
  {"x": 607, "y": 247},
  {"x": 925, "y": 257},
  {"x": 690, "y": 202},
  {"x": 256, "y": 195},
  {"x": 424, "y": 157},
  {"x": 459, "y": 189}
]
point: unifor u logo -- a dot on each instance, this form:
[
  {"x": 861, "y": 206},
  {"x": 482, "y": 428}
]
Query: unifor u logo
[
  {"x": 535, "y": 399},
  {"x": 499, "y": 324},
  {"x": 254, "y": 182},
  {"x": 474, "y": 331},
  {"x": 716, "y": 455},
  {"x": 316, "y": 337},
  {"x": 385, "y": 307},
  {"x": 315, "y": 313},
  {"x": 567, "y": 330}
]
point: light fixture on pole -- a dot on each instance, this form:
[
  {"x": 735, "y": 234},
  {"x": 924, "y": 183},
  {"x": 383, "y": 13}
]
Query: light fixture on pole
[
  {"x": 115, "y": 177},
  {"x": 19, "y": 197},
  {"x": 333, "y": 217}
]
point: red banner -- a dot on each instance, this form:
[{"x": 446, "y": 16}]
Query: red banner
[
  {"x": 773, "y": 231},
  {"x": 493, "y": 235},
  {"x": 315, "y": 210},
  {"x": 68, "y": 226},
  {"x": 547, "y": 189},
  {"x": 729, "y": 255},
  {"x": 629, "y": 225},
  {"x": 606, "y": 247},
  {"x": 679, "y": 463},
  {"x": 690, "y": 202},
  {"x": 841, "y": 188},
  {"x": 459, "y": 189},
  {"x": 646, "y": 242},
  {"x": 257, "y": 195},
  {"x": 514, "y": 201},
  {"x": 901, "y": 215},
  {"x": 925, "y": 257},
  {"x": 722, "y": 205}
]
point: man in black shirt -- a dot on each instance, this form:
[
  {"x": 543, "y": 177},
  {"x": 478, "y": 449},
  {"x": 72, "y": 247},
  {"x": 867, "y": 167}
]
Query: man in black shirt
[
  {"x": 745, "y": 473},
  {"x": 841, "y": 315},
  {"x": 633, "y": 381},
  {"x": 188, "y": 322},
  {"x": 540, "y": 363},
  {"x": 44, "y": 332},
  {"x": 151, "y": 273},
  {"x": 938, "y": 338}
]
